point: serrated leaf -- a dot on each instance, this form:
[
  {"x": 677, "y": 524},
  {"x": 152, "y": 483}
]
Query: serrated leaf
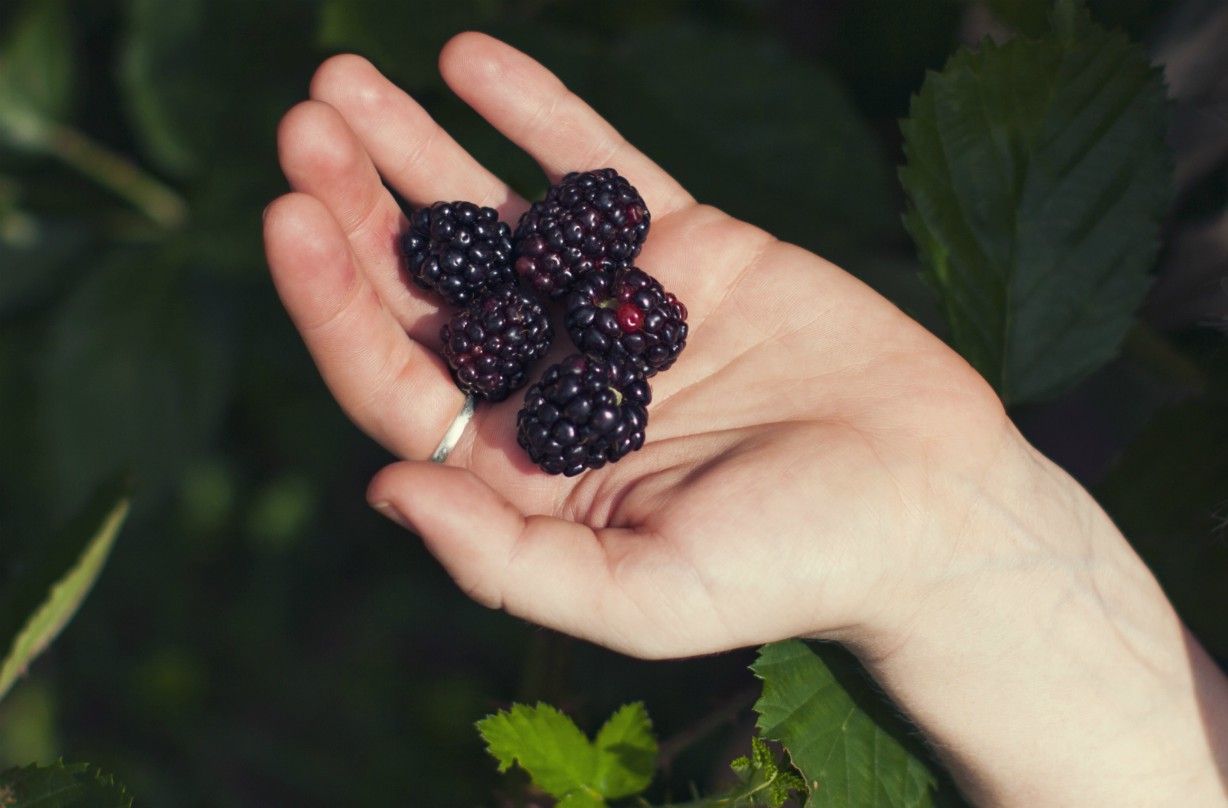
[
  {"x": 36, "y": 62},
  {"x": 543, "y": 742},
  {"x": 848, "y": 757},
  {"x": 1037, "y": 176},
  {"x": 46, "y": 594},
  {"x": 61, "y": 785},
  {"x": 626, "y": 752},
  {"x": 563, "y": 762}
]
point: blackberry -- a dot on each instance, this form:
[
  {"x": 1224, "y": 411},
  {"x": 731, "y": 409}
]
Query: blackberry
[
  {"x": 584, "y": 413},
  {"x": 627, "y": 314},
  {"x": 490, "y": 344},
  {"x": 458, "y": 250},
  {"x": 590, "y": 220}
]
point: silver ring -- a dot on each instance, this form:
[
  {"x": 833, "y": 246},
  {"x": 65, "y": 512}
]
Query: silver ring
[{"x": 455, "y": 430}]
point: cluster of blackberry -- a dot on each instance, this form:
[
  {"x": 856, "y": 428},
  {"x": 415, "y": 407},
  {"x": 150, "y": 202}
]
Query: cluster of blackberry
[{"x": 576, "y": 245}]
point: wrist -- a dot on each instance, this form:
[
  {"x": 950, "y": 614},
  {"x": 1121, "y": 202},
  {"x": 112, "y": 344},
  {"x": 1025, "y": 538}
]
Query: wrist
[{"x": 1038, "y": 634}]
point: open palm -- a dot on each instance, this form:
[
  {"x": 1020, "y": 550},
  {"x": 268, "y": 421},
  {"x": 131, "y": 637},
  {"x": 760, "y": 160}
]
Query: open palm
[{"x": 805, "y": 457}]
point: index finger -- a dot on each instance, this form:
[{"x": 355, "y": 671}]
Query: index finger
[{"x": 550, "y": 122}]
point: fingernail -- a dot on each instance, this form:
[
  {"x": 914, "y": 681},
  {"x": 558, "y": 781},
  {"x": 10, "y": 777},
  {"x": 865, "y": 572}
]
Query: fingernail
[{"x": 386, "y": 509}]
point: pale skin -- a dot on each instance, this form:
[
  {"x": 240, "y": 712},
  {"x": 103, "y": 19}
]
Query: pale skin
[{"x": 817, "y": 464}]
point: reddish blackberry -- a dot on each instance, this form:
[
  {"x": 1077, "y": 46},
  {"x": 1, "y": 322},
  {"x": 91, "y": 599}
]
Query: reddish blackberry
[
  {"x": 590, "y": 220},
  {"x": 584, "y": 413},
  {"x": 458, "y": 250},
  {"x": 627, "y": 314},
  {"x": 491, "y": 344}
]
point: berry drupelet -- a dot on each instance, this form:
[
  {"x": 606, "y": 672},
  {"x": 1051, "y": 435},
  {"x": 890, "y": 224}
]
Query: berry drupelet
[
  {"x": 458, "y": 250},
  {"x": 584, "y": 413},
  {"x": 490, "y": 344},
  {"x": 590, "y": 220},
  {"x": 627, "y": 314}
]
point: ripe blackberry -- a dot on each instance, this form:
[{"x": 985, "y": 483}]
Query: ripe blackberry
[
  {"x": 590, "y": 220},
  {"x": 490, "y": 344},
  {"x": 584, "y": 413},
  {"x": 458, "y": 250},
  {"x": 627, "y": 314}
]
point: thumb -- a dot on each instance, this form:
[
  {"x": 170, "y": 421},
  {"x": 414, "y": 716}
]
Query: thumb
[{"x": 551, "y": 571}]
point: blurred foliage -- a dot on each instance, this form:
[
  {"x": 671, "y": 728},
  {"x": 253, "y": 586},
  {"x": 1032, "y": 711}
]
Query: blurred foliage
[
  {"x": 259, "y": 637},
  {"x": 43, "y": 590},
  {"x": 1037, "y": 176}
]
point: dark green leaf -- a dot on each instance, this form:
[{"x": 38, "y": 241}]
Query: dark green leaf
[
  {"x": 47, "y": 590},
  {"x": 161, "y": 79},
  {"x": 205, "y": 81},
  {"x": 61, "y": 785},
  {"x": 756, "y": 131},
  {"x": 134, "y": 376},
  {"x": 1038, "y": 175},
  {"x": 848, "y": 755}
]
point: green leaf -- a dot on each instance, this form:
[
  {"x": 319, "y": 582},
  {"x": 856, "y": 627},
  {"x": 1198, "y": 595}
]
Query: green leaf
[
  {"x": 45, "y": 596},
  {"x": 1169, "y": 494},
  {"x": 566, "y": 764},
  {"x": 849, "y": 747},
  {"x": 766, "y": 135},
  {"x": 134, "y": 374},
  {"x": 543, "y": 742},
  {"x": 626, "y": 752},
  {"x": 61, "y": 785},
  {"x": 159, "y": 71},
  {"x": 201, "y": 103},
  {"x": 36, "y": 62},
  {"x": 1038, "y": 175}
]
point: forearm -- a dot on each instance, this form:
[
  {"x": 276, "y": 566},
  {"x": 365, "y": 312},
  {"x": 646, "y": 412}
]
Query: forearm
[{"x": 1048, "y": 668}]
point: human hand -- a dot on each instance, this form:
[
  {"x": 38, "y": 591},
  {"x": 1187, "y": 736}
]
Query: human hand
[
  {"x": 817, "y": 464},
  {"x": 809, "y": 458}
]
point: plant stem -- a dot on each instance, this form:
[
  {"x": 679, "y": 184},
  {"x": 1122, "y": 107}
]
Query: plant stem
[{"x": 116, "y": 173}]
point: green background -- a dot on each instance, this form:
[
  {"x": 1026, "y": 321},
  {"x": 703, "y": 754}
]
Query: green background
[{"x": 259, "y": 636}]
